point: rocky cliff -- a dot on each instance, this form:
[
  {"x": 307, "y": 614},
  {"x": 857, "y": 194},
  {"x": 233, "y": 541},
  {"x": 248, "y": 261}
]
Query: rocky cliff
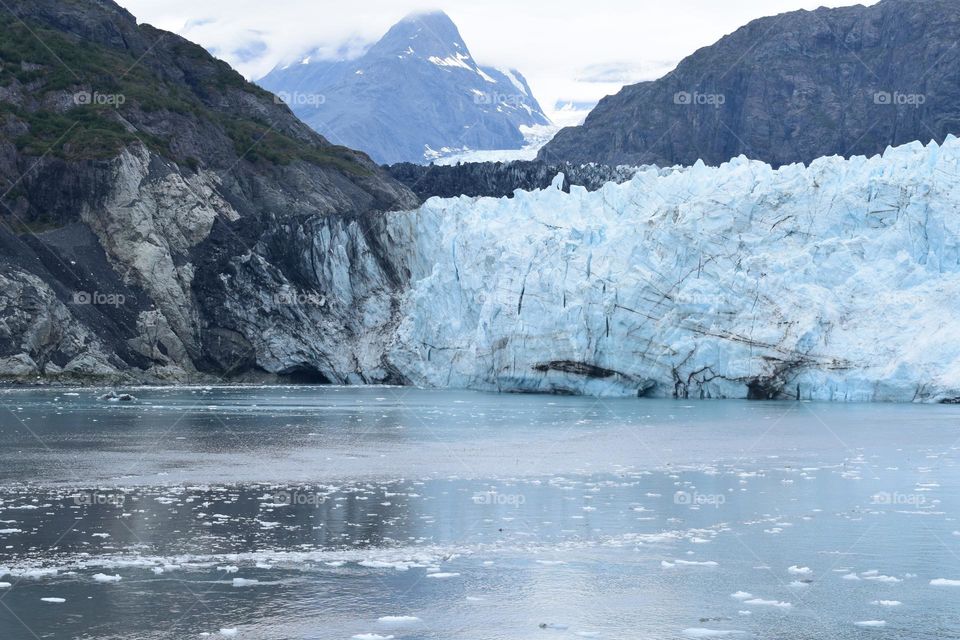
[
  {"x": 497, "y": 179},
  {"x": 788, "y": 88},
  {"x": 163, "y": 219}
]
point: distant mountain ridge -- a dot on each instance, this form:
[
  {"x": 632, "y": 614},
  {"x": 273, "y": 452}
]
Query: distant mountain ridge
[
  {"x": 413, "y": 96},
  {"x": 788, "y": 88}
]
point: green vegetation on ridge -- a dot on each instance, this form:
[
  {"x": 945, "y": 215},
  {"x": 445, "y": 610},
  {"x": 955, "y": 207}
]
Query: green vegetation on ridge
[{"x": 118, "y": 92}]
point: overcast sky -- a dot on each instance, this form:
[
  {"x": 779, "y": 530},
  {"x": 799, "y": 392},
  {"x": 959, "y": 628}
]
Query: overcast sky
[{"x": 563, "y": 47}]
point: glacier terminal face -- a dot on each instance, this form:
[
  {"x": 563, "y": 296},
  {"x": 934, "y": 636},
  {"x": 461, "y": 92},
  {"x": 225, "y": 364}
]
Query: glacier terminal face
[{"x": 837, "y": 281}]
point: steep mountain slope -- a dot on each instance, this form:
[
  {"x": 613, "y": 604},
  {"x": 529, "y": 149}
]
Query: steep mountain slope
[
  {"x": 154, "y": 207},
  {"x": 413, "y": 95},
  {"x": 788, "y": 88}
]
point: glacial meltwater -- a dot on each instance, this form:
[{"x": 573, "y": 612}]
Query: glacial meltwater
[{"x": 370, "y": 513}]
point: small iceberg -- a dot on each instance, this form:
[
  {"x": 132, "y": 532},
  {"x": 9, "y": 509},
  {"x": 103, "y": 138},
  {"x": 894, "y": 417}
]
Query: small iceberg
[
  {"x": 871, "y": 623},
  {"x": 396, "y": 621},
  {"x": 944, "y": 582},
  {"x": 102, "y": 577}
]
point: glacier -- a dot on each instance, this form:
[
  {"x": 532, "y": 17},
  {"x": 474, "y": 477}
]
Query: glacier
[{"x": 834, "y": 281}]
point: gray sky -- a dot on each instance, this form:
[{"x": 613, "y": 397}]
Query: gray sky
[{"x": 562, "y": 46}]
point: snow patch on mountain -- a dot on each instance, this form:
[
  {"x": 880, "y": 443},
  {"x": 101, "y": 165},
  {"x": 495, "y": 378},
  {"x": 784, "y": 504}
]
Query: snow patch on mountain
[{"x": 535, "y": 137}]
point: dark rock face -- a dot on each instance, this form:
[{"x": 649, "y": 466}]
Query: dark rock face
[
  {"x": 160, "y": 216},
  {"x": 416, "y": 91},
  {"x": 499, "y": 179},
  {"x": 788, "y": 88}
]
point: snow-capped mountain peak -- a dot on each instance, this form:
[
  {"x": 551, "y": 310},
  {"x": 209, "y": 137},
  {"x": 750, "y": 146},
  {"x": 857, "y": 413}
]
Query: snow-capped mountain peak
[
  {"x": 427, "y": 34},
  {"x": 417, "y": 90}
]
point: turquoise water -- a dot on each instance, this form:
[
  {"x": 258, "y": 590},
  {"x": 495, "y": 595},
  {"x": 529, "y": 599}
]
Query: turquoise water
[{"x": 364, "y": 513}]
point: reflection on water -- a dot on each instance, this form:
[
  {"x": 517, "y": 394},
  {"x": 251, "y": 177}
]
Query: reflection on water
[{"x": 365, "y": 513}]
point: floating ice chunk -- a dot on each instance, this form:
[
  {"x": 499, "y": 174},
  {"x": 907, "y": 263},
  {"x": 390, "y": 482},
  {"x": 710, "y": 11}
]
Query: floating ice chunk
[
  {"x": 398, "y": 620},
  {"x": 760, "y": 602},
  {"x": 99, "y": 535},
  {"x": 229, "y": 569},
  {"x": 944, "y": 582},
  {"x": 244, "y": 582},
  {"x": 7, "y": 531},
  {"x": 741, "y": 595},
  {"x": 800, "y": 571},
  {"x": 887, "y": 603},
  {"x": 54, "y": 600},
  {"x": 799, "y": 584},
  {"x": 5, "y": 585},
  {"x": 380, "y": 564},
  {"x": 228, "y": 632},
  {"x": 371, "y": 636},
  {"x": 871, "y": 623},
  {"x": 883, "y": 578},
  {"x": 745, "y": 613},
  {"x": 102, "y": 577},
  {"x": 851, "y": 576},
  {"x": 441, "y": 575}
]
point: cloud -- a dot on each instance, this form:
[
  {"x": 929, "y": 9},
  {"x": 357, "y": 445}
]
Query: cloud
[{"x": 624, "y": 72}]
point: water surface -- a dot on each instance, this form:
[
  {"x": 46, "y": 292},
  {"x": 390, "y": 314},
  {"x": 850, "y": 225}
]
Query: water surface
[{"x": 307, "y": 512}]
